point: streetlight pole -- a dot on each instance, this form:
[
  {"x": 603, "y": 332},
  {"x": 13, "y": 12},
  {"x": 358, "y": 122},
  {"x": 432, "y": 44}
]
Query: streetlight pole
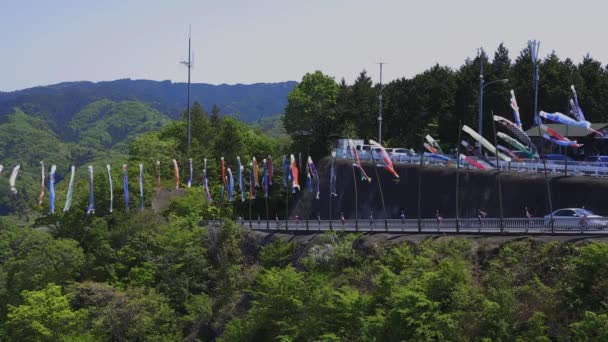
[
  {"x": 481, "y": 86},
  {"x": 380, "y": 108}
]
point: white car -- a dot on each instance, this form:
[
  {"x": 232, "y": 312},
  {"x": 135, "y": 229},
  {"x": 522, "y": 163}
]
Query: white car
[{"x": 576, "y": 218}]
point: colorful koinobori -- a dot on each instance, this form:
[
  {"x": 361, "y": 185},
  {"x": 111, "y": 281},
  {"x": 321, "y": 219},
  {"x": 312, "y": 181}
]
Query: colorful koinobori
[
  {"x": 388, "y": 163},
  {"x": 357, "y": 162},
  {"x": 517, "y": 132},
  {"x": 516, "y": 144},
  {"x": 556, "y": 138},
  {"x": 291, "y": 177},
  {"x": 486, "y": 144},
  {"x": 566, "y": 120},
  {"x": 295, "y": 183},
  {"x": 435, "y": 150}
]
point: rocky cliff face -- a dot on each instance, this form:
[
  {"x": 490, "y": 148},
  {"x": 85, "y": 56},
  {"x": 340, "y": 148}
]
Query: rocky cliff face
[{"x": 477, "y": 189}]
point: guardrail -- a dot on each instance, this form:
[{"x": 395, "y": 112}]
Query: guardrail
[
  {"x": 555, "y": 167},
  {"x": 450, "y": 225}
]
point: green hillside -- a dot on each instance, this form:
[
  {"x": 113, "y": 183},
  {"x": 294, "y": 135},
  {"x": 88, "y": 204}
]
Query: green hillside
[{"x": 103, "y": 131}]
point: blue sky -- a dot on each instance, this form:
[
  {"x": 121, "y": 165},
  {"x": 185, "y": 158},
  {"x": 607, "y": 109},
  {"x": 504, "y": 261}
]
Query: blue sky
[{"x": 246, "y": 41}]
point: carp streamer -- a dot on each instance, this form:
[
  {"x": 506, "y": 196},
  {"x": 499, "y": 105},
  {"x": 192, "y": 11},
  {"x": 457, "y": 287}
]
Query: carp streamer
[
  {"x": 566, "y": 120},
  {"x": 294, "y": 175},
  {"x": 52, "y": 188},
  {"x": 332, "y": 178},
  {"x": 125, "y": 185},
  {"x": 357, "y": 162},
  {"x": 241, "y": 180},
  {"x": 91, "y": 207},
  {"x": 575, "y": 109},
  {"x": 517, "y": 132},
  {"x": 315, "y": 176},
  {"x": 388, "y": 163},
  {"x": 111, "y": 190},
  {"x": 256, "y": 172},
  {"x": 516, "y": 144},
  {"x": 230, "y": 185},
  {"x": 485, "y": 143},
  {"x": 515, "y": 108},
  {"x": 13, "y": 179},
  {"x": 206, "y": 181},
  {"x": 68, "y": 199},
  {"x": 556, "y": 138},
  {"x": 42, "y": 178},
  {"x": 286, "y": 174},
  {"x": 141, "y": 184},
  {"x": 265, "y": 178},
  {"x": 176, "y": 173}
]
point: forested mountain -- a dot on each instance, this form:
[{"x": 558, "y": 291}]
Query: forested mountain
[{"x": 58, "y": 103}]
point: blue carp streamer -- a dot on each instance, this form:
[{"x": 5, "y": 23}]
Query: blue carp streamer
[
  {"x": 230, "y": 185},
  {"x": 265, "y": 177},
  {"x": 315, "y": 176},
  {"x": 125, "y": 185},
  {"x": 286, "y": 174}
]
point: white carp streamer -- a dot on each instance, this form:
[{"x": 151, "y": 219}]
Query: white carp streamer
[
  {"x": 91, "y": 207},
  {"x": 141, "y": 185},
  {"x": 68, "y": 199},
  {"x": 176, "y": 172},
  {"x": 42, "y": 178},
  {"x": 52, "y": 188},
  {"x": 111, "y": 190},
  {"x": 13, "y": 179},
  {"x": 1, "y": 167}
]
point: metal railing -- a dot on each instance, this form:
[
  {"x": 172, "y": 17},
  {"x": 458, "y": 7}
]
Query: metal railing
[
  {"x": 555, "y": 167},
  {"x": 535, "y": 225}
]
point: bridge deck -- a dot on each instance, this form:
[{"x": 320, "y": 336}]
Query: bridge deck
[{"x": 448, "y": 226}]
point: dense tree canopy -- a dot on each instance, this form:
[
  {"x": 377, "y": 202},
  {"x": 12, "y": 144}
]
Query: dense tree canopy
[{"x": 437, "y": 99}]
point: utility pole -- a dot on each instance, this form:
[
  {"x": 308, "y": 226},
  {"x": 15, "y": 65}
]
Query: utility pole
[
  {"x": 481, "y": 81},
  {"x": 534, "y": 45},
  {"x": 380, "y": 109},
  {"x": 188, "y": 64}
]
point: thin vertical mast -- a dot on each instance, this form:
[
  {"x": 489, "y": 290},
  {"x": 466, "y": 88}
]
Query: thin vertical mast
[
  {"x": 189, "y": 67},
  {"x": 380, "y": 107},
  {"x": 188, "y": 64}
]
